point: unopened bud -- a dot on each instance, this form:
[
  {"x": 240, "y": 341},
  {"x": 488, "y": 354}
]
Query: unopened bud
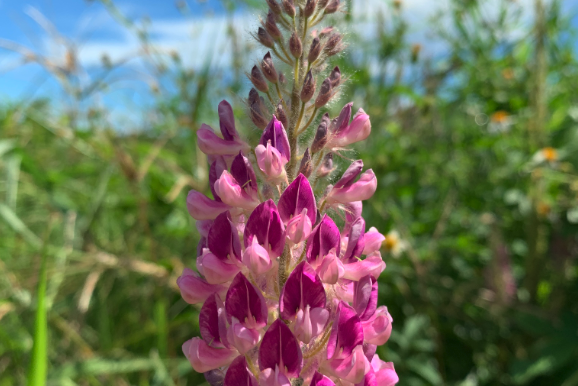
[
  {"x": 268, "y": 68},
  {"x": 321, "y": 134},
  {"x": 335, "y": 77},
  {"x": 334, "y": 44},
  {"x": 289, "y": 7},
  {"x": 326, "y": 167},
  {"x": 308, "y": 88},
  {"x": 258, "y": 80},
  {"x": 306, "y": 168},
  {"x": 281, "y": 116},
  {"x": 326, "y": 31},
  {"x": 309, "y": 8},
  {"x": 295, "y": 45},
  {"x": 271, "y": 26},
  {"x": 257, "y": 109},
  {"x": 332, "y": 7},
  {"x": 264, "y": 38},
  {"x": 322, "y": 4},
  {"x": 325, "y": 93},
  {"x": 282, "y": 78},
  {"x": 274, "y": 6},
  {"x": 314, "y": 50}
]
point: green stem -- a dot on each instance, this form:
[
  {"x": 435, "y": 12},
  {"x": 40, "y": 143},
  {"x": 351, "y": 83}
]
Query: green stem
[
  {"x": 299, "y": 132},
  {"x": 282, "y": 58}
]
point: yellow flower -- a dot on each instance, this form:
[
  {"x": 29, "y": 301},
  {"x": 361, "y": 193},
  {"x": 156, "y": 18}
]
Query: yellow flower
[
  {"x": 394, "y": 244},
  {"x": 550, "y": 154}
]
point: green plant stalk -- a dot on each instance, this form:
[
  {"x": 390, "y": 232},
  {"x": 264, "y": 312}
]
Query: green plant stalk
[{"x": 39, "y": 361}]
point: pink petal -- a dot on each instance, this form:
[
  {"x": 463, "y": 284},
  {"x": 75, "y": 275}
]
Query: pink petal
[
  {"x": 194, "y": 289},
  {"x": 279, "y": 347},
  {"x": 201, "y": 207},
  {"x": 241, "y": 337},
  {"x": 331, "y": 268},
  {"x": 216, "y": 270},
  {"x": 377, "y": 329},
  {"x": 238, "y": 374},
  {"x": 309, "y": 323},
  {"x": 256, "y": 258},
  {"x": 373, "y": 240},
  {"x": 361, "y": 190},
  {"x": 231, "y": 193},
  {"x": 384, "y": 372},
  {"x": 246, "y": 303},
  {"x": 372, "y": 265},
  {"x": 210, "y": 143},
  {"x": 204, "y": 358}
]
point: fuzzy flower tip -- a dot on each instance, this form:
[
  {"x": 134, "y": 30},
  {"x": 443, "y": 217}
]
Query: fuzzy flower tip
[{"x": 286, "y": 295}]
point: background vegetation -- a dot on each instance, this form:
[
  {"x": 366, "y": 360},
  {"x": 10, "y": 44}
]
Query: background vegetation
[{"x": 475, "y": 150}]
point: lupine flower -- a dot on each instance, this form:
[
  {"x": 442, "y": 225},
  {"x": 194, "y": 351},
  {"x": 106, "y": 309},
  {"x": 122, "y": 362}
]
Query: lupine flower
[{"x": 287, "y": 296}]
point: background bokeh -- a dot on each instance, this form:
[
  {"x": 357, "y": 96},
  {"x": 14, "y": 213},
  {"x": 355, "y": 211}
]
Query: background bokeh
[{"x": 474, "y": 112}]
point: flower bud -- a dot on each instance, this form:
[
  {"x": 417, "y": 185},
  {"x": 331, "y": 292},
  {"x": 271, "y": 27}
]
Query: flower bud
[
  {"x": 258, "y": 80},
  {"x": 256, "y": 258},
  {"x": 289, "y": 7},
  {"x": 282, "y": 78},
  {"x": 314, "y": 50},
  {"x": 334, "y": 44},
  {"x": 335, "y": 77},
  {"x": 268, "y": 68},
  {"x": 305, "y": 167},
  {"x": 309, "y": 8},
  {"x": 271, "y": 26},
  {"x": 326, "y": 31},
  {"x": 274, "y": 6},
  {"x": 264, "y": 38},
  {"x": 308, "y": 88},
  {"x": 332, "y": 7},
  {"x": 281, "y": 116},
  {"x": 321, "y": 135},
  {"x": 257, "y": 109},
  {"x": 325, "y": 93},
  {"x": 326, "y": 167},
  {"x": 295, "y": 45},
  {"x": 299, "y": 227},
  {"x": 322, "y": 4}
]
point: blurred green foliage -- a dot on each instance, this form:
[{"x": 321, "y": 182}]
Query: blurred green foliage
[{"x": 475, "y": 150}]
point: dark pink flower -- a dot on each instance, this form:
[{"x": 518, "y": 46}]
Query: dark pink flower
[
  {"x": 265, "y": 224},
  {"x": 246, "y": 303},
  {"x": 355, "y": 241},
  {"x": 238, "y": 374},
  {"x": 280, "y": 351},
  {"x": 365, "y": 297},
  {"x": 324, "y": 237},
  {"x": 201, "y": 207},
  {"x": 195, "y": 289}
]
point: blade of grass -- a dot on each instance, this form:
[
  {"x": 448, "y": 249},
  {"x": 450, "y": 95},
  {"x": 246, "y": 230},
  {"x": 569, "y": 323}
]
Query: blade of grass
[{"x": 18, "y": 226}]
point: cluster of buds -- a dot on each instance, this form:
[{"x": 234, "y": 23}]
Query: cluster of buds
[{"x": 288, "y": 298}]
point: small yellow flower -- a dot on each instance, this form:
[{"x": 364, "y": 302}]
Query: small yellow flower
[
  {"x": 394, "y": 244},
  {"x": 543, "y": 209},
  {"x": 550, "y": 154},
  {"x": 508, "y": 73},
  {"x": 500, "y": 117}
]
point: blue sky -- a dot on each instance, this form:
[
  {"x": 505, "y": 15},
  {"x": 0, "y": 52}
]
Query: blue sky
[{"x": 195, "y": 35}]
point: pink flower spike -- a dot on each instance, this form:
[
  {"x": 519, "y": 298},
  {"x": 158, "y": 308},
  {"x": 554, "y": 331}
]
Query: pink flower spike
[
  {"x": 204, "y": 357},
  {"x": 372, "y": 265},
  {"x": 201, "y": 207},
  {"x": 231, "y": 193},
  {"x": 385, "y": 374},
  {"x": 299, "y": 227},
  {"x": 280, "y": 350},
  {"x": 238, "y": 374},
  {"x": 331, "y": 268},
  {"x": 256, "y": 258},
  {"x": 373, "y": 240},
  {"x": 194, "y": 289},
  {"x": 211, "y": 144},
  {"x": 377, "y": 329}
]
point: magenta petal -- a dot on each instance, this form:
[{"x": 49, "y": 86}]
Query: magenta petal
[
  {"x": 321, "y": 380},
  {"x": 352, "y": 213},
  {"x": 275, "y": 132},
  {"x": 223, "y": 239},
  {"x": 299, "y": 227},
  {"x": 280, "y": 348},
  {"x": 346, "y": 333},
  {"x": 352, "y": 368},
  {"x": 302, "y": 288},
  {"x": 324, "y": 237},
  {"x": 342, "y": 121},
  {"x": 232, "y": 193},
  {"x": 356, "y": 241},
  {"x": 358, "y": 130},
  {"x": 211, "y": 144},
  {"x": 194, "y": 289},
  {"x": 373, "y": 241},
  {"x": 243, "y": 172},
  {"x": 238, "y": 374},
  {"x": 372, "y": 265},
  {"x": 361, "y": 190},
  {"x": 241, "y": 337},
  {"x": 377, "y": 329},
  {"x": 385, "y": 374},
  {"x": 256, "y": 258},
  {"x": 331, "y": 269},
  {"x": 209, "y": 322},
  {"x": 246, "y": 303},
  {"x": 296, "y": 197},
  {"x": 265, "y": 224},
  {"x": 217, "y": 167},
  {"x": 273, "y": 377},
  {"x": 204, "y": 357},
  {"x": 365, "y": 297},
  {"x": 227, "y": 121},
  {"x": 216, "y": 270},
  {"x": 369, "y": 350},
  {"x": 350, "y": 175},
  {"x": 203, "y": 226},
  {"x": 369, "y": 379},
  {"x": 201, "y": 207}
]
